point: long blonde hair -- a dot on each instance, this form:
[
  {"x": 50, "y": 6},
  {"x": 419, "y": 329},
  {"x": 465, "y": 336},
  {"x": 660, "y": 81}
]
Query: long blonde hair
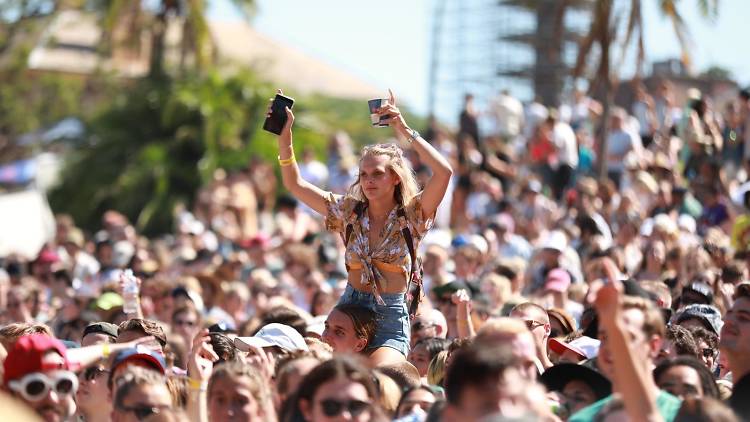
[{"x": 397, "y": 163}]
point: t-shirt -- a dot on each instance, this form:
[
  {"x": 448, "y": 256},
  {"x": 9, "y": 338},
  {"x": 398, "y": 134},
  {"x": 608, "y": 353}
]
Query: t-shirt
[{"x": 667, "y": 404}]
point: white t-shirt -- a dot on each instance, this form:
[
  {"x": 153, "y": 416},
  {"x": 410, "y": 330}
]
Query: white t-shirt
[
  {"x": 508, "y": 114},
  {"x": 567, "y": 146}
]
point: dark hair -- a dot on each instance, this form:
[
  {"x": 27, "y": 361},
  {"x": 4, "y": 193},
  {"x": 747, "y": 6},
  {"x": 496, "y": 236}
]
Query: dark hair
[
  {"x": 707, "y": 379},
  {"x": 406, "y": 394},
  {"x": 146, "y": 327},
  {"x": 475, "y": 366},
  {"x": 433, "y": 345},
  {"x": 224, "y": 347},
  {"x": 340, "y": 367},
  {"x": 403, "y": 373},
  {"x": 684, "y": 343},
  {"x": 284, "y": 315},
  {"x": 709, "y": 337},
  {"x": 695, "y": 409},
  {"x": 364, "y": 320}
]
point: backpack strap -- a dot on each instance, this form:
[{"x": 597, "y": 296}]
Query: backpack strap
[
  {"x": 359, "y": 210},
  {"x": 415, "y": 277}
]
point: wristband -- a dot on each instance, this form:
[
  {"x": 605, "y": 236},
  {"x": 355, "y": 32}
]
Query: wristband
[
  {"x": 199, "y": 385},
  {"x": 105, "y": 350},
  {"x": 287, "y": 162}
]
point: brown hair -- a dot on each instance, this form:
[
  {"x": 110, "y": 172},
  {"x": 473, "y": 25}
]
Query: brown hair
[
  {"x": 257, "y": 385},
  {"x": 364, "y": 320},
  {"x": 653, "y": 323},
  {"x": 145, "y": 326},
  {"x": 10, "y": 333}
]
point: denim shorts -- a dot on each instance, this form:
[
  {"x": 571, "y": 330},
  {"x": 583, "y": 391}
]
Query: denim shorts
[{"x": 393, "y": 317}]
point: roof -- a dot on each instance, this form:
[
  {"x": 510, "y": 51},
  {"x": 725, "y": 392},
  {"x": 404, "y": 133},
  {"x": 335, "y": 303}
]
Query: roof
[{"x": 69, "y": 44}]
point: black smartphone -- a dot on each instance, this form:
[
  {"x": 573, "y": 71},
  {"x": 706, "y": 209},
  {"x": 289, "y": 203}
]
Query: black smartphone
[{"x": 276, "y": 121}]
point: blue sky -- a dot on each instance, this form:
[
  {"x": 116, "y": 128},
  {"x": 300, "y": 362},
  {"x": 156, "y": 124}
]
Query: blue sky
[{"x": 387, "y": 42}]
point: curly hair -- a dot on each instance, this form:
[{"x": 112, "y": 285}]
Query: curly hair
[{"x": 399, "y": 165}]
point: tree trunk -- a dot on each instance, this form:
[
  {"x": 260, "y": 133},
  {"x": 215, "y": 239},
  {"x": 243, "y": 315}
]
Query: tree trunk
[{"x": 605, "y": 77}]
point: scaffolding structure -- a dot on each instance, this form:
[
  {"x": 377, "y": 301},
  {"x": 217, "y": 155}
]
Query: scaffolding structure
[{"x": 485, "y": 46}]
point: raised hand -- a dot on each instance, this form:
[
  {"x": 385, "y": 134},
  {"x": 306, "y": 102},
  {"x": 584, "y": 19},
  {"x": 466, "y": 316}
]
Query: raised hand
[{"x": 202, "y": 357}]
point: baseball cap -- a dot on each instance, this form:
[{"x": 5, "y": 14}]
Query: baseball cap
[
  {"x": 555, "y": 240},
  {"x": 143, "y": 354},
  {"x": 27, "y": 354},
  {"x": 101, "y": 328},
  {"x": 558, "y": 280},
  {"x": 558, "y": 376},
  {"x": 449, "y": 288},
  {"x": 585, "y": 347},
  {"x": 701, "y": 289},
  {"x": 709, "y": 315},
  {"x": 273, "y": 334}
]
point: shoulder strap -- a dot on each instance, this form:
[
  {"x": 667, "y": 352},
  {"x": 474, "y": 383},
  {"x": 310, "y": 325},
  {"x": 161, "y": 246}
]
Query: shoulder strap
[
  {"x": 415, "y": 276},
  {"x": 359, "y": 210},
  {"x": 408, "y": 239}
]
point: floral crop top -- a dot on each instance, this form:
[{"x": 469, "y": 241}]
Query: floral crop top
[{"x": 392, "y": 253}]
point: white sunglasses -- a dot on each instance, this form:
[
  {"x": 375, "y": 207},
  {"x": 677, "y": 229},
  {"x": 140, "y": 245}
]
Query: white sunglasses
[{"x": 35, "y": 386}]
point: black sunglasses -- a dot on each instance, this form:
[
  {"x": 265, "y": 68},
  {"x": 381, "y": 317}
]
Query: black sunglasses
[
  {"x": 420, "y": 325},
  {"x": 143, "y": 411},
  {"x": 332, "y": 407},
  {"x": 707, "y": 353},
  {"x": 91, "y": 373}
]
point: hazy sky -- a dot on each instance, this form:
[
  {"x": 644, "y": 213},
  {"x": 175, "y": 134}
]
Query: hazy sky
[{"x": 387, "y": 42}]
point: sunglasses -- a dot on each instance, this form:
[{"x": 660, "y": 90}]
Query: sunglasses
[
  {"x": 185, "y": 323},
  {"x": 531, "y": 324},
  {"x": 332, "y": 407},
  {"x": 707, "y": 353},
  {"x": 417, "y": 326},
  {"x": 91, "y": 373},
  {"x": 143, "y": 411},
  {"x": 35, "y": 386}
]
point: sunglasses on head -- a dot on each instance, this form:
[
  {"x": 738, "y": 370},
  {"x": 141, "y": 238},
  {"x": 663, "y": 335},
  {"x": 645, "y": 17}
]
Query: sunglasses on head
[
  {"x": 332, "y": 407},
  {"x": 35, "y": 386},
  {"x": 142, "y": 411}
]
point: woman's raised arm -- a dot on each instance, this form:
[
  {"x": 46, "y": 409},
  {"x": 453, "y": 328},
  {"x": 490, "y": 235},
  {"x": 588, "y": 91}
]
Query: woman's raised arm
[
  {"x": 434, "y": 190},
  {"x": 313, "y": 196}
]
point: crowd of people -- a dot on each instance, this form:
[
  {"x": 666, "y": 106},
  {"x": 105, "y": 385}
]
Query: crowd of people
[{"x": 485, "y": 274}]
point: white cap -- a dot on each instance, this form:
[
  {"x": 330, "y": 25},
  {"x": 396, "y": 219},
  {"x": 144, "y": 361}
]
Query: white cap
[
  {"x": 686, "y": 223},
  {"x": 555, "y": 240},
  {"x": 273, "y": 334},
  {"x": 587, "y": 345}
]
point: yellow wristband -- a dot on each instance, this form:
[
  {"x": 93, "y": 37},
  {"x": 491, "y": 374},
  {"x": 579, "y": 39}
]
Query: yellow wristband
[
  {"x": 287, "y": 162},
  {"x": 195, "y": 384},
  {"x": 105, "y": 350}
]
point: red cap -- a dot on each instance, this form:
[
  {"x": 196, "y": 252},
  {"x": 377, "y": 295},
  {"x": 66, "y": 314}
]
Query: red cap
[{"x": 26, "y": 356}]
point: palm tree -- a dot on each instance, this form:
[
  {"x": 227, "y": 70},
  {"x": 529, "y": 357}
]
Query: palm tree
[
  {"x": 126, "y": 22},
  {"x": 605, "y": 30}
]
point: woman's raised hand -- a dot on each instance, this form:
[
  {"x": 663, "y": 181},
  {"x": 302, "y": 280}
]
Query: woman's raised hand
[
  {"x": 395, "y": 118},
  {"x": 286, "y": 132}
]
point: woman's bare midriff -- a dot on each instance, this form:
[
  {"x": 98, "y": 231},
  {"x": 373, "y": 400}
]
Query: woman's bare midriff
[{"x": 395, "y": 282}]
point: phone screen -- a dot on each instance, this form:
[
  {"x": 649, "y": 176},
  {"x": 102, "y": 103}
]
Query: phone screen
[{"x": 276, "y": 121}]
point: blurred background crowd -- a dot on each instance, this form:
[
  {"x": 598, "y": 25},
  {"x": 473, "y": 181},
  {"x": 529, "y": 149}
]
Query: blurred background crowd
[{"x": 524, "y": 231}]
